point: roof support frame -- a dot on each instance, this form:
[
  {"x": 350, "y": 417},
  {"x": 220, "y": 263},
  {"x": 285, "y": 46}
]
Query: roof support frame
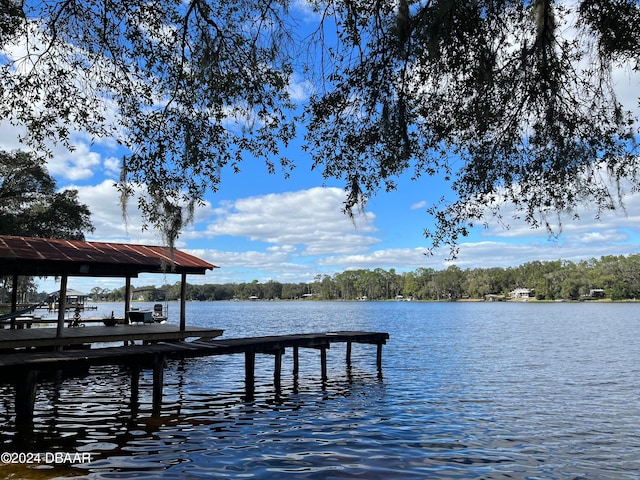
[{"x": 39, "y": 257}]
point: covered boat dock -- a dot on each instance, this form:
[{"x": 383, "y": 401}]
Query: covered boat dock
[
  {"x": 39, "y": 257},
  {"x": 26, "y": 352}
]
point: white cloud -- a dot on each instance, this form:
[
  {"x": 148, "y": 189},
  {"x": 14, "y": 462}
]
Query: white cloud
[
  {"x": 297, "y": 228},
  {"x": 311, "y": 218},
  {"x": 628, "y": 216},
  {"x": 625, "y": 81},
  {"x": 398, "y": 258},
  {"x": 112, "y": 166},
  {"x": 248, "y": 259},
  {"x": 82, "y": 163},
  {"x": 498, "y": 254},
  {"x": 299, "y": 88},
  {"x": 236, "y": 267},
  {"x": 9, "y": 135},
  {"x": 106, "y": 214},
  {"x": 478, "y": 255},
  {"x": 79, "y": 164},
  {"x": 307, "y": 10},
  {"x": 593, "y": 237},
  {"x": 419, "y": 205}
]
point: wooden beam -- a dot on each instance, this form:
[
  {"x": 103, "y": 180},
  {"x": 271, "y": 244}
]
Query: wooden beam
[
  {"x": 25, "y": 390},
  {"x": 14, "y": 299},
  {"x": 323, "y": 361},
  {"x": 46, "y": 337},
  {"x": 62, "y": 305},
  {"x": 348, "y": 353},
  {"x": 22, "y": 367},
  {"x": 158, "y": 384},
  {"x": 134, "y": 401},
  {"x": 295, "y": 360},
  {"x": 249, "y": 375},
  {"x": 127, "y": 299},
  {"x": 183, "y": 302},
  {"x": 277, "y": 370}
]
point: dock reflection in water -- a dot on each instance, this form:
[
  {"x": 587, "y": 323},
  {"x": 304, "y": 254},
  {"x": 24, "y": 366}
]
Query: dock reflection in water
[{"x": 468, "y": 391}]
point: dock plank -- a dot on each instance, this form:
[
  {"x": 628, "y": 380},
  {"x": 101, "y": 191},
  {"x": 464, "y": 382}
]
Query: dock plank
[
  {"x": 133, "y": 354},
  {"x": 46, "y": 337}
]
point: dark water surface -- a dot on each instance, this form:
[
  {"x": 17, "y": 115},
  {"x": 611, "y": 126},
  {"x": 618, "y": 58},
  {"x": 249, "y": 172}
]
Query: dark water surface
[{"x": 467, "y": 390}]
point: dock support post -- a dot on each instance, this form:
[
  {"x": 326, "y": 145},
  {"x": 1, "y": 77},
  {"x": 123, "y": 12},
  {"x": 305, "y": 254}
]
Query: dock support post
[
  {"x": 379, "y": 357},
  {"x": 62, "y": 306},
  {"x": 249, "y": 375},
  {"x": 158, "y": 384},
  {"x": 348, "y": 353},
  {"x": 14, "y": 299},
  {"x": 135, "y": 390},
  {"x": 296, "y": 365},
  {"x": 323, "y": 361},
  {"x": 277, "y": 370},
  {"x": 183, "y": 302},
  {"x": 25, "y": 390},
  {"x": 127, "y": 300}
]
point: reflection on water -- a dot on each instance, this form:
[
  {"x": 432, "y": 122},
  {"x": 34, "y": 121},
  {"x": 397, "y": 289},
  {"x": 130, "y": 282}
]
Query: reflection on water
[{"x": 468, "y": 391}]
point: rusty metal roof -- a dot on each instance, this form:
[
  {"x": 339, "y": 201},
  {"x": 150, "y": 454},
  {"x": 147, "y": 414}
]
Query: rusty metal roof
[{"x": 48, "y": 257}]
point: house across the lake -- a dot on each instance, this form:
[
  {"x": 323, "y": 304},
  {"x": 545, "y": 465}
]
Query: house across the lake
[
  {"x": 75, "y": 299},
  {"x": 521, "y": 293}
]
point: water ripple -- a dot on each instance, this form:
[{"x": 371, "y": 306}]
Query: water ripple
[{"x": 467, "y": 391}]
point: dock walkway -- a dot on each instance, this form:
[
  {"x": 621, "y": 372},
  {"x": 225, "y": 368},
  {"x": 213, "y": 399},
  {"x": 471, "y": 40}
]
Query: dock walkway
[
  {"x": 47, "y": 337},
  {"x": 22, "y": 366},
  {"x": 141, "y": 354}
]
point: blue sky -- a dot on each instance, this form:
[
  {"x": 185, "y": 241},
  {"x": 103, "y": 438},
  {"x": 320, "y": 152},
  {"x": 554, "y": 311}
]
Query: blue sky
[{"x": 261, "y": 227}]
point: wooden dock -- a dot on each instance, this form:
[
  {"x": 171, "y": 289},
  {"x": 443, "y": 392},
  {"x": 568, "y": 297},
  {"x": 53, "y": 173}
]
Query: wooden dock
[
  {"x": 21, "y": 365},
  {"x": 30, "y": 338}
]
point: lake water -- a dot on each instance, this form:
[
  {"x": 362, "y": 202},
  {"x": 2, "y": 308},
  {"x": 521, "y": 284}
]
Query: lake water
[{"x": 467, "y": 390}]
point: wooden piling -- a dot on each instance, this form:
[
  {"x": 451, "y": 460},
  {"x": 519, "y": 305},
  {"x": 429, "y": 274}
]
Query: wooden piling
[
  {"x": 323, "y": 361},
  {"x": 134, "y": 402},
  {"x": 295, "y": 360},
  {"x": 249, "y": 375},
  {"x": 159, "y": 346},
  {"x": 25, "y": 396},
  {"x": 158, "y": 384},
  {"x": 277, "y": 369}
]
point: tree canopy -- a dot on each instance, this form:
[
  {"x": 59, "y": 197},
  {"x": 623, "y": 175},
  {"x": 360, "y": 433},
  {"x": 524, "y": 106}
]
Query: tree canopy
[
  {"x": 512, "y": 101},
  {"x": 30, "y": 205}
]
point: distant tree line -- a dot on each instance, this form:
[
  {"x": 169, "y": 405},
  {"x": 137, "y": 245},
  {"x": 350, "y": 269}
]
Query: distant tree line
[{"x": 618, "y": 277}]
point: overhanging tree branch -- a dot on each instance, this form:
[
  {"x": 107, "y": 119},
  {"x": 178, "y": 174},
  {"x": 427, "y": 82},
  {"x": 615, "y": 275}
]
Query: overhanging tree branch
[{"x": 510, "y": 101}]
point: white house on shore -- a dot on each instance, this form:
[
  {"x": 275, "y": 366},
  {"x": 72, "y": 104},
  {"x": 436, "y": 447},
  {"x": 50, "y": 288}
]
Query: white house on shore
[{"x": 521, "y": 293}]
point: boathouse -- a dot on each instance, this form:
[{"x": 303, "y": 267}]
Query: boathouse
[
  {"x": 39, "y": 257},
  {"x": 75, "y": 299}
]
